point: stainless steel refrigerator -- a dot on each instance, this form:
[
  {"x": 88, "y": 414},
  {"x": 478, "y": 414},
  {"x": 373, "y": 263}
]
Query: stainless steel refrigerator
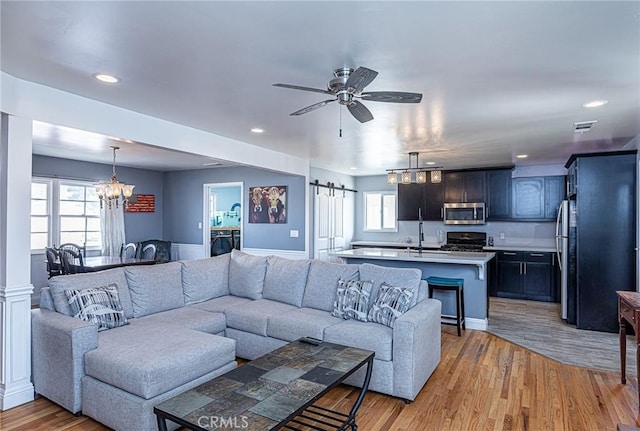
[{"x": 562, "y": 252}]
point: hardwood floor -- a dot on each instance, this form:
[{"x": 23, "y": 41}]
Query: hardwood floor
[
  {"x": 482, "y": 383},
  {"x": 537, "y": 326}
]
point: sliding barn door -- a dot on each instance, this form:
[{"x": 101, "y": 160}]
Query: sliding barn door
[{"x": 329, "y": 224}]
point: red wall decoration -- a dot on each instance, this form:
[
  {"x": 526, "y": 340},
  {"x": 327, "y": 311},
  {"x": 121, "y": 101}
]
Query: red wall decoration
[{"x": 141, "y": 204}]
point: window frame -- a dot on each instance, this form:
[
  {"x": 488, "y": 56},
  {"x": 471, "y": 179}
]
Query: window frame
[
  {"x": 49, "y": 199},
  {"x": 53, "y": 207},
  {"x": 382, "y": 194}
]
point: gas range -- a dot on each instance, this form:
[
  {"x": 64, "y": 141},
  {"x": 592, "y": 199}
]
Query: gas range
[{"x": 465, "y": 241}]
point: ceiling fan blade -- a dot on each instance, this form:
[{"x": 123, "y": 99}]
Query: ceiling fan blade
[
  {"x": 312, "y": 107},
  {"x": 392, "y": 96},
  {"x": 297, "y": 87},
  {"x": 360, "y": 78},
  {"x": 360, "y": 111}
]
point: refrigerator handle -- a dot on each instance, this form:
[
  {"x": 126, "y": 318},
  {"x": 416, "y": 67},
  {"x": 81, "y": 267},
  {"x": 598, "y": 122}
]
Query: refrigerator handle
[{"x": 559, "y": 234}]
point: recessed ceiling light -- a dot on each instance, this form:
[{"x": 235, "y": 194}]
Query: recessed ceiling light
[
  {"x": 103, "y": 77},
  {"x": 257, "y": 130},
  {"x": 212, "y": 164},
  {"x": 595, "y": 103},
  {"x": 353, "y": 168},
  {"x": 431, "y": 163},
  {"x": 522, "y": 156}
]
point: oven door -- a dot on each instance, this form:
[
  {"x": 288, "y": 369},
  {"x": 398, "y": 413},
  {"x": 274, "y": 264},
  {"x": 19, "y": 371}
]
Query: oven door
[{"x": 464, "y": 213}]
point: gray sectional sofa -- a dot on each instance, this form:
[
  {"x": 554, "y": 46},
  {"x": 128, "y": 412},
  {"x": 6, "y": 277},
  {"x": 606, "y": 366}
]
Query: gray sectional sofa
[{"x": 189, "y": 320}]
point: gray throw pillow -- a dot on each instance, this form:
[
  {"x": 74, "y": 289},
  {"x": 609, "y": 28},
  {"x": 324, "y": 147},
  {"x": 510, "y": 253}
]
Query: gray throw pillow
[
  {"x": 390, "y": 303},
  {"x": 99, "y": 305},
  {"x": 352, "y": 299},
  {"x": 246, "y": 274}
]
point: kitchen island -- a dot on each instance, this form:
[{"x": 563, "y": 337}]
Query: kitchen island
[{"x": 472, "y": 267}]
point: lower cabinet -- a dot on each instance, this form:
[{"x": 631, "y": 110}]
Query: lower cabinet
[{"x": 526, "y": 275}]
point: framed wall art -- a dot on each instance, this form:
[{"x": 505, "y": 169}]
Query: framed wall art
[{"x": 268, "y": 204}]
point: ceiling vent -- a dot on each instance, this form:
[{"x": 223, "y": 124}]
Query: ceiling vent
[{"x": 583, "y": 126}]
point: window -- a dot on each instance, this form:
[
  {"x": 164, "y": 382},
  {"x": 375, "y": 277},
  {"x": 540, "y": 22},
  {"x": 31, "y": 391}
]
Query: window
[
  {"x": 64, "y": 211},
  {"x": 40, "y": 214},
  {"x": 380, "y": 211},
  {"x": 79, "y": 212}
]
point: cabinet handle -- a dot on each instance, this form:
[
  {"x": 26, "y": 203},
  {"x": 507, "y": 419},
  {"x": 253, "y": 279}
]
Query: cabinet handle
[
  {"x": 536, "y": 255},
  {"x": 442, "y": 213},
  {"x": 520, "y": 265},
  {"x": 525, "y": 268},
  {"x": 508, "y": 253}
]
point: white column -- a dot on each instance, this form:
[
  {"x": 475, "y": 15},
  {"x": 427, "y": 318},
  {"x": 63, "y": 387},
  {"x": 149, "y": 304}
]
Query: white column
[{"x": 15, "y": 261}]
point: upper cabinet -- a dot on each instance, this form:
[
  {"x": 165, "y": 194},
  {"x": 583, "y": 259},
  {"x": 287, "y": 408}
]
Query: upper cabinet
[
  {"x": 499, "y": 194},
  {"x": 464, "y": 186},
  {"x": 411, "y": 199},
  {"x": 425, "y": 197},
  {"x": 537, "y": 198}
]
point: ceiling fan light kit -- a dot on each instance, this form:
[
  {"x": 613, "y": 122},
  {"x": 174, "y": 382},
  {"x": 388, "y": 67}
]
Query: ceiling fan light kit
[
  {"x": 347, "y": 86},
  {"x": 407, "y": 173}
]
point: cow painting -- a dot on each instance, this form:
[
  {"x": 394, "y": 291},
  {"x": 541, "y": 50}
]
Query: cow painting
[{"x": 268, "y": 204}]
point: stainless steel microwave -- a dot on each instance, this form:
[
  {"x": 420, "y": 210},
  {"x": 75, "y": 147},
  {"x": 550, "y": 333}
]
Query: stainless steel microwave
[{"x": 464, "y": 213}]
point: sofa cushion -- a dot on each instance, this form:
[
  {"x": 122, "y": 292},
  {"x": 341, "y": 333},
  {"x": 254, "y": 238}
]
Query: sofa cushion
[
  {"x": 100, "y": 306},
  {"x": 155, "y": 288},
  {"x": 253, "y": 317},
  {"x": 301, "y": 322},
  {"x": 391, "y": 303},
  {"x": 57, "y": 286},
  {"x": 322, "y": 282},
  {"x": 147, "y": 362},
  {"x": 285, "y": 280},
  {"x": 221, "y": 304},
  {"x": 204, "y": 279},
  {"x": 370, "y": 336},
  {"x": 352, "y": 299},
  {"x": 246, "y": 274},
  {"x": 401, "y": 277},
  {"x": 187, "y": 318}
]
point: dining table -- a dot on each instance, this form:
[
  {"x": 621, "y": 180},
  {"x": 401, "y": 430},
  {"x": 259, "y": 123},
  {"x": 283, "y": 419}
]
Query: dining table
[{"x": 100, "y": 263}]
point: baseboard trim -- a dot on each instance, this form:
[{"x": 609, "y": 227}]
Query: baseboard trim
[
  {"x": 17, "y": 397},
  {"x": 475, "y": 323}
]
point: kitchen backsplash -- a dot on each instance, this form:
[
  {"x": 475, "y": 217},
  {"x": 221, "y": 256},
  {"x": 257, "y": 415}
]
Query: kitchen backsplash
[{"x": 515, "y": 233}]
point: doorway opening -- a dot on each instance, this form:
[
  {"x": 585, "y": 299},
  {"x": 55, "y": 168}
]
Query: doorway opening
[{"x": 222, "y": 220}]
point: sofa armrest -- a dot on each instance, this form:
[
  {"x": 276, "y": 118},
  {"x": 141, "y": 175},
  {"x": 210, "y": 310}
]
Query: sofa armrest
[
  {"x": 416, "y": 347},
  {"x": 59, "y": 343}
]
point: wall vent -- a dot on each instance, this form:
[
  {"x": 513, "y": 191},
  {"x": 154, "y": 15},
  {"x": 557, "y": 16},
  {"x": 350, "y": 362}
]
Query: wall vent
[{"x": 583, "y": 126}]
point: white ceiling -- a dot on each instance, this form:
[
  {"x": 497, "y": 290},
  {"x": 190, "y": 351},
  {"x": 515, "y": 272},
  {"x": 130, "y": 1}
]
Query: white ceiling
[{"x": 498, "y": 78}]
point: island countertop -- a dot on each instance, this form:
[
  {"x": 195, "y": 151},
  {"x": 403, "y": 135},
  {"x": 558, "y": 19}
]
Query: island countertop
[{"x": 432, "y": 256}]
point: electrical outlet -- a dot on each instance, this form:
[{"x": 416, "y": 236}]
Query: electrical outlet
[
  {"x": 294, "y": 233},
  {"x": 502, "y": 235}
]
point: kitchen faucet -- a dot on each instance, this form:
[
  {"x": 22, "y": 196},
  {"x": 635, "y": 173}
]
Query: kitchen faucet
[{"x": 420, "y": 231}]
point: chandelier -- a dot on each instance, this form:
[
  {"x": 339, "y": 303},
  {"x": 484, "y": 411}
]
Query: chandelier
[
  {"x": 114, "y": 192},
  {"x": 407, "y": 174}
]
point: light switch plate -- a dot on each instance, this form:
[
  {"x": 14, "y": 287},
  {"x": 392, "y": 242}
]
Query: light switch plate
[
  {"x": 501, "y": 235},
  {"x": 200, "y": 225},
  {"x": 294, "y": 233}
]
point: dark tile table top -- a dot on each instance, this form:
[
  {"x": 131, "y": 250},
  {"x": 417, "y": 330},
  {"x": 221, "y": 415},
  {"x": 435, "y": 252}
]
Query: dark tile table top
[{"x": 265, "y": 392}]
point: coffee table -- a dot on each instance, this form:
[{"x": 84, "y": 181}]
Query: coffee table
[{"x": 277, "y": 390}]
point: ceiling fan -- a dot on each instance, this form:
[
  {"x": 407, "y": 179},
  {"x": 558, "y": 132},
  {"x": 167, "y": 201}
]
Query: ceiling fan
[{"x": 348, "y": 85}]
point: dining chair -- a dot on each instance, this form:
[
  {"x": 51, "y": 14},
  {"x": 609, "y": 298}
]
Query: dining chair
[
  {"x": 73, "y": 247},
  {"x": 163, "y": 249},
  {"x": 148, "y": 252},
  {"x": 128, "y": 251},
  {"x": 72, "y": 262},
  {"x": 54, "y": 266}
]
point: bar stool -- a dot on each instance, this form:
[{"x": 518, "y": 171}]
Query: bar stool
[{"x": 451, "y": 284}]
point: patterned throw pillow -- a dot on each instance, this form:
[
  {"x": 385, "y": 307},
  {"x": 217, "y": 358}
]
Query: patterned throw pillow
[
  {"x": 352, "y": 299},
  {"x": 100, "y": 305},
  {"x": 391, "y": 303}
]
